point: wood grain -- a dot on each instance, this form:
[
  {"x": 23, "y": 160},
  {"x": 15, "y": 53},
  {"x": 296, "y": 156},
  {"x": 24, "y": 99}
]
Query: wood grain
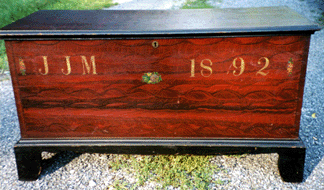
[{"x": 114, "y": 102}]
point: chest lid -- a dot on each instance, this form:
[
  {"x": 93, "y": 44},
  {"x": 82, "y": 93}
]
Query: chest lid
[{"x": 117, "y": 23}]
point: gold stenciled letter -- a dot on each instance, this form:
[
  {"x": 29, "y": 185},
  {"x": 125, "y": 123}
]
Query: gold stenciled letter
[
  {"x": 87, "y": 66},
  {"x": 45, "y": 66},
  {"x": 206, "y": 67},
  {"x": 266, "y": 64},
  {"x": 242, "y": 66},
  {"x": 68, "y": 66}
]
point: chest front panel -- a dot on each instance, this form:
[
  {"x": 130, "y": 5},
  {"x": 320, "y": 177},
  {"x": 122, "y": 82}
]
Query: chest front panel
[{"x": 239, "y": 87}]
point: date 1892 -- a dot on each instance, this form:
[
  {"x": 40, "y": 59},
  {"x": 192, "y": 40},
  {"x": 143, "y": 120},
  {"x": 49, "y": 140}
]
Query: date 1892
[{"x": 238, "y": 64}]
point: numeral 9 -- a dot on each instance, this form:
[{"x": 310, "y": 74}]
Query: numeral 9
[{"x": 241, "y": 67}]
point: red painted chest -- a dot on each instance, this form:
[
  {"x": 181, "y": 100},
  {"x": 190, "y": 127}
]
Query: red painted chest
[
  {"x": 186, "y": 77},
  {"x": 234, "y": 87}
]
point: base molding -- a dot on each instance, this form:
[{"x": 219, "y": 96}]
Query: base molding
[{"x": 290, "y": 163}]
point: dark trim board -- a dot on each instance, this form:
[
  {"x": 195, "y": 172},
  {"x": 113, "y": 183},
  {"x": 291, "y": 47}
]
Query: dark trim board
[
  {"x": 101, "y": 33},
  {"x": 290, "y": 163},
  {"x": 46, "y": 36}
]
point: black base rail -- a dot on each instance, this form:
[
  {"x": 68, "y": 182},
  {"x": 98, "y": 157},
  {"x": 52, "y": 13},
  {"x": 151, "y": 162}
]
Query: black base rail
[{"x": 291, "y": 152}]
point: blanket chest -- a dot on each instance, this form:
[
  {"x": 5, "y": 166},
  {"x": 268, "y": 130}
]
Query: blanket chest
[{"x": 160, "y": 82}]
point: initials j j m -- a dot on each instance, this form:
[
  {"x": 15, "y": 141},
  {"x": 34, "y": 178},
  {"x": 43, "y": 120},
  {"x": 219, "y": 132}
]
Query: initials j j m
[{"x": 87, "y": 68}]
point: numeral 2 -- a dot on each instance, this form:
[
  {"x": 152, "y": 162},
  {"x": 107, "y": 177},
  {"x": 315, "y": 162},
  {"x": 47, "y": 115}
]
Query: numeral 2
[{"x": 265, "y": 66}]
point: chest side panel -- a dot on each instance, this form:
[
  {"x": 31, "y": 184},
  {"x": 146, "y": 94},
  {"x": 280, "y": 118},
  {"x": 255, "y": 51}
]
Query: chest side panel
[{"x": 246, "y": 87}]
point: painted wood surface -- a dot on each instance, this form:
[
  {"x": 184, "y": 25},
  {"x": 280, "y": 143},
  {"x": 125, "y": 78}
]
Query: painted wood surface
[
  {"x": 240, "y": 87},
  {"x": 130, "y": 23}
]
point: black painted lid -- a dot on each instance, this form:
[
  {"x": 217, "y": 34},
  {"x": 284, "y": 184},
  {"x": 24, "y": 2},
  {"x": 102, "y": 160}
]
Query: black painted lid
[{"x": 111, "y": 23}]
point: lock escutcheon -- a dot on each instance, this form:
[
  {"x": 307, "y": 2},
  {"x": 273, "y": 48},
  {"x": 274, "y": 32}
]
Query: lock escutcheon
[{"x": 155, "y": 44}]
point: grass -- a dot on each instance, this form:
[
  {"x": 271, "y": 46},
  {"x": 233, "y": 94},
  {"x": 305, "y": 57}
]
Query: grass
[
  {"x": 17, "y": 9},
  {"x": 321, "y": 19},
  {"x": 80, "y": 5},
  {"x": 3, "y": 58},
  {"x": 236, "y": 155},
  {"x": 13, "y": 10},
  {"x": 197, "y": 4},
  {"x": 184, "y": 172}
]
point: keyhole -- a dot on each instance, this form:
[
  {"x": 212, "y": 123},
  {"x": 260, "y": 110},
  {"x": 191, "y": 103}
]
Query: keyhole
[{"x": 155, "y": 44}]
